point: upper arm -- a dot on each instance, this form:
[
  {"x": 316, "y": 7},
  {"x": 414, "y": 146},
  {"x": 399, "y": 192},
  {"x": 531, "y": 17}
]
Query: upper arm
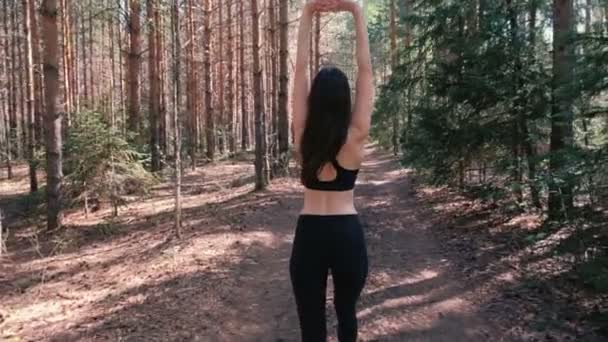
[
  {"x": 299, "y": 104},
  {"x": 364, "y": 105}
]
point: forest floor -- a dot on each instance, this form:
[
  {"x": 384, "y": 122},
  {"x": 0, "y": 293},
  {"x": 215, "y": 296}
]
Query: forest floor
[{"x": 441, "y": 269}]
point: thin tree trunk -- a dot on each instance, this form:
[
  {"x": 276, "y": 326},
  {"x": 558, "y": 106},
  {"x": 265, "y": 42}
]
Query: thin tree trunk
[
  {"x": 21, "y": 87},
  {"x": 230, "y": 96},
  {"x": 273, "y": 86},
  {"x": 15, "y": 125},
  {"x": 7, "y": 135},
  {"x": 210, "y": 122},
  {"x": 221, "y": 85},
  {"x": 283, "y": 114},
  {"x": 85, "y": 76},
  {"x": 154, "y": 102},
  {"x": 244, "y": 112},
  {"x": 176, "y": 124},
  {"x": 162, "y": 70},
  {"x": 31, "y": 92},
  {"x": 134, "y": 67},
  {"x": 112, "y": 73},
  {"x": 261, "y": 154},
  {"x": 394, "y": 61},
  {"x": 518, "y": 119},
  {"x": 92, "y": 85},
  {"x": 52, "y": 120},
  {"x": 527, "y": 139},
  {"x": 37, "y": 73},
  {"x": 190, "y": 86},
  {"x": 560, "y": 196},
  {"x": 67, "y": 92}
]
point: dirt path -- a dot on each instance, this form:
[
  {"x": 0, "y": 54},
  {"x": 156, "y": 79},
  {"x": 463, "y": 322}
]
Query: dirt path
[{"x": 228, "y": 279}]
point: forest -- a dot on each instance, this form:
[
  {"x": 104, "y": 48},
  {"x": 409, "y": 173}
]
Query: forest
[{"x": 148, "y": 181}]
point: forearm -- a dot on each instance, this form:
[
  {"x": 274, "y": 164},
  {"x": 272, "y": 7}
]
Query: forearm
[
  {"x": 363, "y": 53},
  {"x": 301, "y": 82},
  {"x": 304, "y": 33}
]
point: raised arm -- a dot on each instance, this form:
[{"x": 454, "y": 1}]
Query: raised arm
[
  {"x": 300, "y": 81},
  {"x": 364, "y": 99}
]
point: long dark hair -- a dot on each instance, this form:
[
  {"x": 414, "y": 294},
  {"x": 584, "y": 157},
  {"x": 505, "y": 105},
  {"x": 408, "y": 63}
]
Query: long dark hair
[{"x": 329, "y": 116}]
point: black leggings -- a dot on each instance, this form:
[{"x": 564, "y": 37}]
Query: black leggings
[{"x": 324, "y": 243}]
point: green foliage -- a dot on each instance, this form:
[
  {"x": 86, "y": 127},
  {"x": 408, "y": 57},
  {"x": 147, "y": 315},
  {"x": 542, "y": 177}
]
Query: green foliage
[
  {"x": 475, "y": 89},
  {"x": 100, "y": 163}
]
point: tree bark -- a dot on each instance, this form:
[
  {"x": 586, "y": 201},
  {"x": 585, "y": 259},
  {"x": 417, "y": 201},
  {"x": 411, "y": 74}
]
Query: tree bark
[
  {"x": 210, "y": 120},
  {"x": 15, "y": 119},
  {"x": 221, "y": 115},
  {"x": 134, "y": 67},
  {"x": 176, "y": 53},
  {"x": 38, "y": 94},
  {"x": 528, "y": 147},
  {"x": 8, "y": 94},
  {"x": 21, "y": 85},
  {"x": 394, "y": 61},
  {"x": 31, "y": 92},
  {"x": 67, "y": 87},
  {"x": 154, "y": 102},
  {"x": 230, "y": 95},
  {"x": 190, "y": 88},
  {"x": 261, "y": 153},
  {"x": 92, "y": 85},
  {"x": 52, "y": 120},
  {"x": 244, "y": 112},
  {"x": 283, "y": 114},
  {"x": 560, "y": 195}
]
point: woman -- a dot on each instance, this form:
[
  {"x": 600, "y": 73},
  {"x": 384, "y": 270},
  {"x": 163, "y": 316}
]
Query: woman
[{"x": 330, "y": 137}]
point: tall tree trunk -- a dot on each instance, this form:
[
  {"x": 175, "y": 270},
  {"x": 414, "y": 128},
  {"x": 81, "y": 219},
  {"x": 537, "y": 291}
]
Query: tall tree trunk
[
  {"x": 261, "y": 153},
  {"x": 4, "y": 106},
  {"x": 560, "y": 195},
  {"x": 190, "y": 88},
  {"x": 38, "y": 94},
  {"x": 518, "y": 119},
  {"x": 85, "y": 75},
  {"x": 92, "y": 85},
  {"x": 7, "y": 71},
  {"x": 15, "y": 118},
  {"x": 134, "y": 66},
  {"x": 394, "y": 61},
  {"x": 162, "y": 71},
  {"x": 154, "y": 103},
  {"x": 67, "y": 77},
  {"x": 52, "y": 120},
  {"x": 20, "y": 72},
  {"x": 112, "y": 72},
  {"x": 220, "y": 85},
  {"x": 529, "y": 149},
  {"x": 283, "y": 114},
  {"x": 176, "y": 105},
  {"x": 274, "y": 85},
  {"x": 31, "y": 92},
  {"x": 230, "y": 95},
  {"x": 210, "y": 120},
  {"x": 244, "y": 112}
]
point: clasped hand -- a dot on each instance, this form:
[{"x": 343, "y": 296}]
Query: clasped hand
[{"x": 331, "y": 5}]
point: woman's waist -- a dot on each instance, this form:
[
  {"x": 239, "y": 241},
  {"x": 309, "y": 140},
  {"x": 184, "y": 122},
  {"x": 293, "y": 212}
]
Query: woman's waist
[{"x": 329, "y": 203}]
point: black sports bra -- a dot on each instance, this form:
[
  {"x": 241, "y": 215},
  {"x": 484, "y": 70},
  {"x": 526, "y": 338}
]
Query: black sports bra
[{"x": 345, "y": 180}]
